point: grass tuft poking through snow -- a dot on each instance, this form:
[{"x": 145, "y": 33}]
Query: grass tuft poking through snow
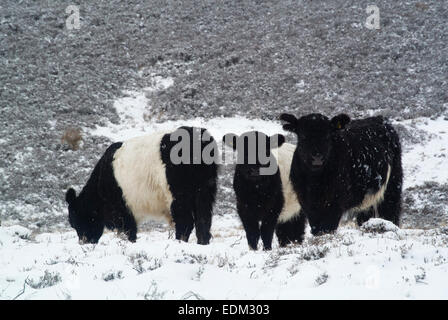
[{"x": 376, "y": 225}]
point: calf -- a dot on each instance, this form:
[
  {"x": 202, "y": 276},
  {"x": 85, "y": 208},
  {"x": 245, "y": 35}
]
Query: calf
[
  {"x": 137, "y": 180},
  {"x": 266, "y": 201},
  {"x": 343, "y": 166}
]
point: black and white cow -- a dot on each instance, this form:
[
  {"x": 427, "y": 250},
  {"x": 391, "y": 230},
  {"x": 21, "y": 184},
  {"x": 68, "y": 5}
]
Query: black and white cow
[
  {"x": 343, "y": 166},
  {"x": 265, "y": 202},
  {"x": 136, "y": 180}
]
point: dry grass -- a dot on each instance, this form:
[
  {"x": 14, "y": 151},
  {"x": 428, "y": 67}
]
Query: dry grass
[
  {"x": 422, "y": 6},
  {"x": 72, "y": 137}
]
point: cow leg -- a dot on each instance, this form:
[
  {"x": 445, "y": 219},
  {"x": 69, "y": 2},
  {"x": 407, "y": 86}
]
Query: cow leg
[
  {"x": 130, "y": 228},
  {"x": 364, "y": 216},
  {"x": 291, "y": 231},
  {"x": 250, "y": 224},
  {"x": 252, "y": 232},
  {"x": 121, "y": 219},
  {"x": 203, "y": 214},
  {"x": 267, "y": 229},
  {"x": 390, "y": 207},
  {"x": 327, "y": 221},
  {"x": 182, "y": 214}
]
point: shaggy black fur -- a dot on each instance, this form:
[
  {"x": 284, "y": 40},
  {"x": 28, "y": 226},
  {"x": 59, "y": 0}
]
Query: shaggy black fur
[
  {"x": 260, "y": 197},
  {"x": 100, "y": 204},
  {"x": 338, "y": 162},
  {"x": 193, "y": 186},
  {"x": 291, "y": 231}
]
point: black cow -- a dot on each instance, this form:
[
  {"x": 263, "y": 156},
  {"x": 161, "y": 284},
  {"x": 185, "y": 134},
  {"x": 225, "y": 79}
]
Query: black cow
[
  {"x": 343, "y": 166},
  {"x": 266, "y": 201}
]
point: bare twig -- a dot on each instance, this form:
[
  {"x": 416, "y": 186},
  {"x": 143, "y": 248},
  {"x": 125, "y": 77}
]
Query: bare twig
[
  {"x": 23, "y": 290},
  {"x": 190, "y": 294},
  {"x": 237, "y": 242}
]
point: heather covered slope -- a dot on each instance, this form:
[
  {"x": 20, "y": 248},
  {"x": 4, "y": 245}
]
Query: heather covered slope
[{"x": 250, "y": 58}]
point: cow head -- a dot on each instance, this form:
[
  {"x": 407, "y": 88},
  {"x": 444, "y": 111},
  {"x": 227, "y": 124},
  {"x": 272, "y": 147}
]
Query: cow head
[
  {"x": 83, "y": 218},
  {"x": 254, "y": 152},
  {"x": 315, "y": 133}
]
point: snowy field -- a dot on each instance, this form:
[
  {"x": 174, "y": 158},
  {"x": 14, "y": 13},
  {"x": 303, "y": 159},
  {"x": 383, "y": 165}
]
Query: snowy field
[{"x": 377, "y": 261}]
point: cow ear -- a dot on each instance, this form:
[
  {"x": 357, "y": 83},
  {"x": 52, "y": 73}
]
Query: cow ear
[
  {"x": 340, "y": 121},
  {"x": 291, "y": 122},
  {"x": 70, "y": 196},
  {"x": 276, "y": 141},
  {"x": 230, "y": 140}
]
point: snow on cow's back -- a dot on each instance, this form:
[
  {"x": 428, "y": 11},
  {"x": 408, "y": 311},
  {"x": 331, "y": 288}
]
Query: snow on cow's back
[
  {"x": 140, "y": 173},
  {"x": 284, "y": 156}
]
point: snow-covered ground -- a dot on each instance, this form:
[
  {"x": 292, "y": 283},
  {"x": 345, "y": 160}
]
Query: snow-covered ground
[
  {"x": 427, "y": 161},
  {"x": 353, "y": 264},
  {"x": 376, "y": 261}
]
